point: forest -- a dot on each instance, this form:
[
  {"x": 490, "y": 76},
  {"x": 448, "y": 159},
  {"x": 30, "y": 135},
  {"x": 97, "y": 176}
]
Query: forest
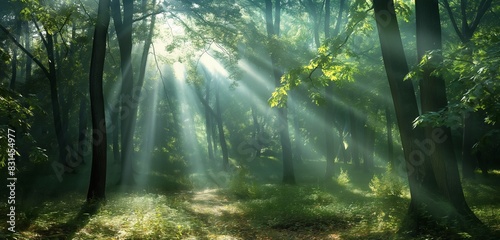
[{"x": 248, "y": 119}]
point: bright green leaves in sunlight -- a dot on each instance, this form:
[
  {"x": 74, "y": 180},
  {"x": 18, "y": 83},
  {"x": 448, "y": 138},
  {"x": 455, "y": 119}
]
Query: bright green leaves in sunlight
[
  {"x": 52, "y": 20},
  {"x": 333, "y": 61},
  {"x": 403, "y": 9}
]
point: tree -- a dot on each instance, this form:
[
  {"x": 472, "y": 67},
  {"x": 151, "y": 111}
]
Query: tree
[
  {"x": 329, "y": 114},
  {"x": 99, "y": 140},
  {"x": 51, "y": 74},
  {"x": 128, "y": 105},
  {"x": 432, "y": 183},
  {"x": 465, "y": 31},
  {"x": 273, "y": 28}
]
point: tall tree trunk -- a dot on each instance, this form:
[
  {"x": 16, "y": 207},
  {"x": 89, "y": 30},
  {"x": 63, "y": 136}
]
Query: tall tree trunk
[
  {"x": 282, "y": 119},
  {"x": 432, "y": 183},
  {"x": 327, "y": 17},
  {"x": 390, "y": 144},
  {"x": 208, "y": 121},
  {"x": 124, "y": 33},
  {"x": 256, "y": 135},
  {"x": 433, "y": 98},
  {"x": 369, "y": 148},
  {"x": 82, "y": 130},
  {"x": 56, "y": 107},
  {"x": 220, "y": 126},
  {"x": 405, "y": 104},
  {"x": 97, "y": 186},
  {"x": 356, "y": 144},
  {"x": 297, "y": 154},
  {"x": 27, "y": 44},
  {"x": 115, "y": 115},
  {"x": 329, "y": 114},
  {"x": 469, "y": 137},
  {"x": 14, "y": 61}
]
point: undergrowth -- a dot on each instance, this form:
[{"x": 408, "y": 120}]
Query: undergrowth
[{"x": 246, "y": 210}]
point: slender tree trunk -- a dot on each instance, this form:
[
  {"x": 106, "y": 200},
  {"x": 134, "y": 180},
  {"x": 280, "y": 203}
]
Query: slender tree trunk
[
  {"x": 390, "y": 144},
  {"x": 256, "y": 135},
  {"x": 220, "y": 126},
  {"x": 56, "y": 107},
  {"x": 282, "y": 119},
  {"x": 297, "y": 134},
  {"x": 330, "y": 110},
  {"x": 469, "y": 161},
  {"x": 115, "y": 115},
  {"x": 369, "y": 148},
  {"x": 97, "y": 186},
  {"x": 208, "y": 121},
  {"x": 124, "y": 33},
  {"x": 356, "y": 145},
  {"x": 14, "y": 61},
  {"x": 82, "y": 130},
  {"x": 27, "y": 44},
  {"x": 327, "y": 18}
]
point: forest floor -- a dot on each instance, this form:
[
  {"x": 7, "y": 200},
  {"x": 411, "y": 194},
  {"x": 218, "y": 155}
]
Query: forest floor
[{"x": 346, "y": 209}]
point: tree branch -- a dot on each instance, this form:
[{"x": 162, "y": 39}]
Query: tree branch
[
  {"x": 483, "y": 8},
  {"x": 44, "y": 69},
  {"x": 453, "y": 20}
]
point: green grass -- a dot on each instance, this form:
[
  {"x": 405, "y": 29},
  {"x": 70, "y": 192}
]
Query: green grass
[{"x": 344, "y": 208}]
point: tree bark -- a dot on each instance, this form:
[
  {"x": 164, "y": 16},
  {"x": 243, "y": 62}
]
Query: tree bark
[
  {"x": 27, "y": 44},
  {"x": 390, "y": 144},
  {"x": 97, "y": 186},
  {"x": 281, "y": 116},
  {"x": 418, "y": 170},
  {"x": 220, "y": 126},
  {"x": 82, "y": 130},
  {"x": 208, "y": 121},
  {"x": 433, "y": 99},
  {"x": 330, "y": 110},
  {"x": 124, "y": 33}
]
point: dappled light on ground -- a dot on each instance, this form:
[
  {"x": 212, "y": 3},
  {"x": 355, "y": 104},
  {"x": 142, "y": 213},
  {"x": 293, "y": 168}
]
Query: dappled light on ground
[{"x": 340, "y": 209}]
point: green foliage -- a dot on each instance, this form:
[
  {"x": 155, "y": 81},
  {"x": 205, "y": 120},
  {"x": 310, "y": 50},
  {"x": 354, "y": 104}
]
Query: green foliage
[
  {"x": 293, "y": 208},
  {"x": 343, "y": 178},
  {"x": 387, "y": 184},
  {"x": 473, "y": 74},
  {"x": 16, "y": 112},
  {"x": 241, "y": 186},
  {"x": 4, "y": 63},
  {"x": 403, "y": 9},
  {"x": 333, "y": 61}
]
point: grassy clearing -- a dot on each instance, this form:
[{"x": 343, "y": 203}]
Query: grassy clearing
[{"x": 346, "y": 208}]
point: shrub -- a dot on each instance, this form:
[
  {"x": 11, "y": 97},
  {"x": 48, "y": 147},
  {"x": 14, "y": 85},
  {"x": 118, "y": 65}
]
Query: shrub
[
  {"x": 241, "y": 185},
  {"x": 343, "y": 178},
  {"x": 387, "y": 185}
]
